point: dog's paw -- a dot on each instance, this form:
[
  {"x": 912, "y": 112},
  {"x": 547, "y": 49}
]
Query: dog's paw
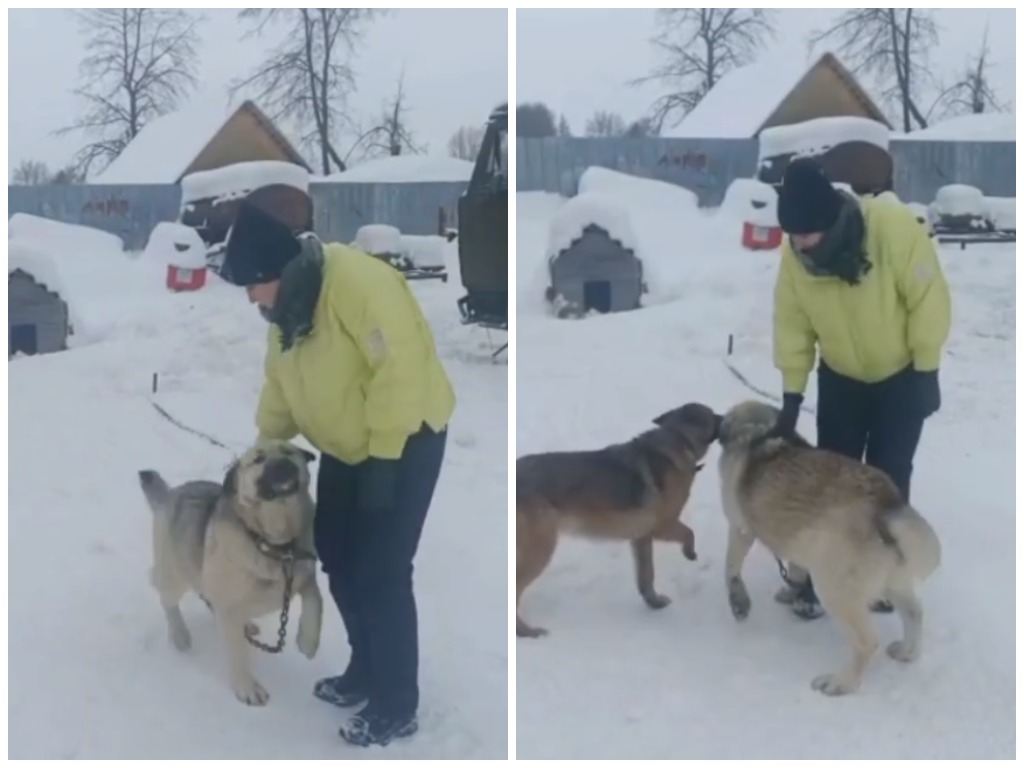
[
  {"x": 251, "y": 693},
  {"x": 901, "y": 651},
  {"x": 690, "y": 553},
  {"x": 181, "y": 638},
  {"x": 739, "y": 600},
  {"x": 656, "y": 601},
  {"x": 833, "y": 685},
  {"x": 308, "y": 643}
]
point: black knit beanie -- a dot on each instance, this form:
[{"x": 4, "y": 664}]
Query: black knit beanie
[
  {"x": 258, "y": 249},
  {"x": 807, "y": 200}
]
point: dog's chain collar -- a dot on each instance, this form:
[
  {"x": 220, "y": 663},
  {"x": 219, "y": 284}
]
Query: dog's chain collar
[{"x": 287, "y": 554}]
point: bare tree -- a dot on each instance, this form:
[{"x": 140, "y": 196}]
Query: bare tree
[
  {"x": 701, "y": 45},
  {"x": 535, "y": 121},
  {"x": 973, "y": 92},
  {"x": 140, "y": 63},
  {"x": 390, "y": 133},
  {"x": 563, "y": 127},
  {"x": 465, "y": 142},
  {"x": 605, "y": 124},
  {"x": 641, "y": 128},
  {"x": 30, "y": 173},
  {"x": 891, "y": 44},
  {"x": 307, "y": 78},
  {"x": 69, "y": 174}
]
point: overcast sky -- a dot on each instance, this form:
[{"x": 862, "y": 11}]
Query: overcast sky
[
  {"x": 455, "y": 61},
  {"x": 578, "y": 62}
]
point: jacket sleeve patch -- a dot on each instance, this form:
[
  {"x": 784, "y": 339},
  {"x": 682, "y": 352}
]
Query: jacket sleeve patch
[{"x": 376, "y": 346}]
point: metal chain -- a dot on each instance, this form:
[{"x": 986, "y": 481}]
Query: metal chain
[{"x": 288, "y": 567}]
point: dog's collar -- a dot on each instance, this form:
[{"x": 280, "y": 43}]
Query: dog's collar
[{"x": 290, "y": 550}]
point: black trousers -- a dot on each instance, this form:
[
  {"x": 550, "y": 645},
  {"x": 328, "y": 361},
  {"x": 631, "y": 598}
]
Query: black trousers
[
  {"x": 368, "y": 559},
  {"x": 878, "y": 424}
]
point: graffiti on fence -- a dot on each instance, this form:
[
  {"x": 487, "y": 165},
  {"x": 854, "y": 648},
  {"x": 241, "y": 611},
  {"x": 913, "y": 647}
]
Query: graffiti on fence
[
  {"x": 697, "y": 161},
  {"x": 110, "y": 207}
]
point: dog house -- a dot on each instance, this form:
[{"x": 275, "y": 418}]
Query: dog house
[
  {"x": 37, "y": 315},
  {"x": 592, "y": 261}
]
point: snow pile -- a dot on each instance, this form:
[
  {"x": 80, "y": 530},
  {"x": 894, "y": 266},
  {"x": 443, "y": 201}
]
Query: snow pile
[
  {"x": 588, "y": 209},
  {"x": 378, "y": 239},
  {"x": 752, "y": 202},
  {"x": 89, "y": 412},
  {"x": 815, "y": 137},
  {"x": 168, "y": 145},
  {"x": 405, "y": 169},
  {"x": 586, "y": 385},
  {"x": 173, "y": 244},
  {"x": 58, "y": 235},
  {"x": 1002, "y": 212},
  {"x": 237, "y": 180},
  {"x": 959, "y": 200},
  {"x": 993, "y": 126},
  {"x": 604, "y": 180},
  {"x": 425, "y": 251},
  {"x": 742, "y": 100}
]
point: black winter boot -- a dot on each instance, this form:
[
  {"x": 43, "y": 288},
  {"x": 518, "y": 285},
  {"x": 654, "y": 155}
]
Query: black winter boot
[
  {"x": 370, "y": 727},
  {"x": 341, "y": 691}
]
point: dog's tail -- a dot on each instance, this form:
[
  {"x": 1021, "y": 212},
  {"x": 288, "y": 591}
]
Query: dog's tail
[
  {"x": 915, "y": 538},
  {"x": 155, "y": 488}
]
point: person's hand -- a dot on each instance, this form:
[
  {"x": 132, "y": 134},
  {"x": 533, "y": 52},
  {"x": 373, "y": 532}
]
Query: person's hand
[
  {"x": 378, "y": 485},
  {"x": 928, "y": 396},
  {"x": 786, "y": 424}
]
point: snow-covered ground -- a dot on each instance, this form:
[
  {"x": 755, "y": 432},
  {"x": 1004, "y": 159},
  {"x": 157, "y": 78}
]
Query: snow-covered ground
[
  {"x": 92, "y": 674},
  {"x": 617, "y": 680}
]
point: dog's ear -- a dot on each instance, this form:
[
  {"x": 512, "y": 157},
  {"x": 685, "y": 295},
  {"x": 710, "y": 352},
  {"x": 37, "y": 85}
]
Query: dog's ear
[
  {"x": 698, "y": 468},
  {"x": 309, "y": 456},
  {"x": 230, "y": 484},
  {"x": 665, "y": 419}
]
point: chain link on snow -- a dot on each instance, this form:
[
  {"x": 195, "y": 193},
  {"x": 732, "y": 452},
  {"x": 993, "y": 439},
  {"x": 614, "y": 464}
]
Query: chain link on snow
[
  {"x": 185, "y": 428},
  {"x": 757, "y": 390}
]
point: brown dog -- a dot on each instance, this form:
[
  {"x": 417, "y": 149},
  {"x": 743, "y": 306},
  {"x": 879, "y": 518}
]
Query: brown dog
[{"x": 632, "y": 492}]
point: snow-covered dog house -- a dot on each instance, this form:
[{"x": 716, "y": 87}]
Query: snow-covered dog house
[
  {"x": 592, "y": 261},
  {"x": 852, "y": 150},
  {"x": 754, "y": 204},
  {"x": 961, "y": 208},
  {"x": 38, "y": 320},
  {"x": 183, "y": 251},
  {"x": 210, "y": 199}
]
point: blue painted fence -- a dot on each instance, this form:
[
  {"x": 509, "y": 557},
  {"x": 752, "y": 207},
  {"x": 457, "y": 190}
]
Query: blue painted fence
[
  {"x": 707, "y": 166},
  {"x": 131, "y": 212}
]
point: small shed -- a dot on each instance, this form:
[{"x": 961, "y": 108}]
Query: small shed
[
  {"x": 592, "y": 260},
  {"x": 204, "y": 136},
  {"x": 38, "y": 320},
  {"x": 774, "y": 91}
]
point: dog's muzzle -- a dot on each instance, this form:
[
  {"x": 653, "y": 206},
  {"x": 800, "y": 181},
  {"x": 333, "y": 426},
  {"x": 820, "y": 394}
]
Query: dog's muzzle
[{"x": 280, "y": 477}]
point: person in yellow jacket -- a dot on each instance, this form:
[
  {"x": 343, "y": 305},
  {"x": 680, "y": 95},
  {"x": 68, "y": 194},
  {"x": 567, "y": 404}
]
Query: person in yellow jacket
[
  {"x": 860, "y": 287},
  {"x": 351, "y": 365}
]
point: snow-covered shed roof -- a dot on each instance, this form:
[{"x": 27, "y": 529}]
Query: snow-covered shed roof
[
  {"x": 989, "y": 126},
  {"x": 404, "y": 169},
  {"x": 582, "y": 211},
  {"x": 776, "y": 91},
  {"x": 205, "y": 135}
]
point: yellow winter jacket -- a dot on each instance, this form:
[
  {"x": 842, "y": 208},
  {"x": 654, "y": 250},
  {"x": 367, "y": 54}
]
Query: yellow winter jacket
[
  {"x": 367, "y": 377},
  {"x": 897, "y": 315}
]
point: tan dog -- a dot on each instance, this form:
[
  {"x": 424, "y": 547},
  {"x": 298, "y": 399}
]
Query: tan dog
[
  {"x": 839, "y": 520},
  {"x": 632, "y": 492},
  {"x": 231, "y": 544}
]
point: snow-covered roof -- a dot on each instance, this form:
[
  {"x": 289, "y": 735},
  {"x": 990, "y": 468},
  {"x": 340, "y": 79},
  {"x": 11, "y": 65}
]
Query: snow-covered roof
[
  {"x": 814, "y": 137},
  {"x": 56, "y": 234},
  {"x": 740, "y": 103},
  {"x": 23, "y": 256},
  {"x": 168, "y": 145},
  {"x": 378, "y": 239},
  {"x": 992, "y": 126},
  {"x": 637, "y": 189},
  {"x": 405, "y": 169},
  {"x": 582, "y": 211},
  {"x": 238, "y": 179}
]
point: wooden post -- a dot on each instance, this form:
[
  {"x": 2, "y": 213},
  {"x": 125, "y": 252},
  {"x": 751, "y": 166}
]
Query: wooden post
[
  {"x": 730, "y": 345},
  {"x": 154, "y": 383}
]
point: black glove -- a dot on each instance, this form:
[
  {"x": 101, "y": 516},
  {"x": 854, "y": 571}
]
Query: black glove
[
  {"x": 786, "y": 424},
  {"x": 926, "y": 391},
  {"x": 378, "y": 485}
]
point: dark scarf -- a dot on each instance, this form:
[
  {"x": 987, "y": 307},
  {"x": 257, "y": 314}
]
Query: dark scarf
[
  {"x": 841, "y": 252},
  {"x": 298, "y": 293}
]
